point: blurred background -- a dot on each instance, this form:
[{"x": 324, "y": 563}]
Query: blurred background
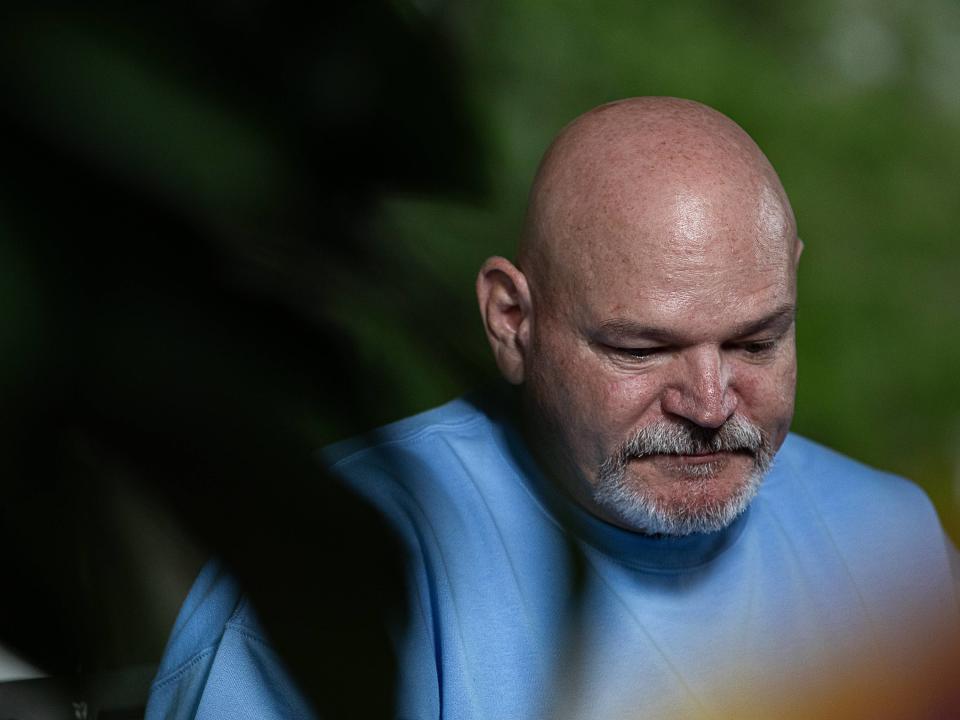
[{"x": 231, "y": 233}]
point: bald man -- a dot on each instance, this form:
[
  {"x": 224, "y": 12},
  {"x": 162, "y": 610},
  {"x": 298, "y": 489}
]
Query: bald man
[
  {"x": 631, "y": 531},
  {"x": 638, "y": 534},
  {"x": 651, "y": 325}
]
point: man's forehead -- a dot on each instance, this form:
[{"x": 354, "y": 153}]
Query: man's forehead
[
  {"x": 697, "y": 288},
  {"x": 666, "y": 298},
  {"x": 688, "y": 242}
]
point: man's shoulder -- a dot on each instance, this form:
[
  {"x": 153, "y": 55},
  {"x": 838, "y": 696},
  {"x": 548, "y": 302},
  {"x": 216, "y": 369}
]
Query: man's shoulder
[
  {"x": 440, "y": 459},
  {"x": 834, "y": 477},
  {"x": 883, "y": 527},
  {"x": 873, "y": 515},
  {"x": 409, "y": 435},
  {"x": 218, "y": 659},
  {"x": 452, "y": 485}
]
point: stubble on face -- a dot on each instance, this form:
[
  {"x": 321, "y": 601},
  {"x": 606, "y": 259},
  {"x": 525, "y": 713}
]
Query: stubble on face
[{"x": 696, "y": 507}]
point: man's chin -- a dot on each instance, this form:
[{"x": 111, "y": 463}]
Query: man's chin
[{"x": 680, "y": 495}]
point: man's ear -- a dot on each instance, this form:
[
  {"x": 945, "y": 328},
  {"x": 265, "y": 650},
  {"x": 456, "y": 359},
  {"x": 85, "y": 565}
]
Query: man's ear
[
  {"x": 505, "y": 307},
  {"x": 797, "y": 251}
]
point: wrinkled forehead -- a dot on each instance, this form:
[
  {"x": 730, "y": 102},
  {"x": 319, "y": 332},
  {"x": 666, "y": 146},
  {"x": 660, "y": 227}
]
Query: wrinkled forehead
[{"x": 690, "y": 230}]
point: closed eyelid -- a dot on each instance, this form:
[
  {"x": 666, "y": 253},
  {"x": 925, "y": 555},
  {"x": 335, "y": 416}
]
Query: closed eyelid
[
  {"x": 633, "y": 352},
  {"x": 759, "y": 345},
  {"x": 768, "y": 339},
  {"x": 644, "y": 351}
]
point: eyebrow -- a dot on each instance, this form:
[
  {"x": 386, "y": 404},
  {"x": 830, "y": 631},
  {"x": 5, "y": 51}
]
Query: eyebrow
[{"x": 778, "y": 320}]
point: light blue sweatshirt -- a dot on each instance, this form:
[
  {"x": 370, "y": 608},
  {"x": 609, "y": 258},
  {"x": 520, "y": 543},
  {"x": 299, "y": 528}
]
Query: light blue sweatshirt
[{"x": 522, "y": 605}]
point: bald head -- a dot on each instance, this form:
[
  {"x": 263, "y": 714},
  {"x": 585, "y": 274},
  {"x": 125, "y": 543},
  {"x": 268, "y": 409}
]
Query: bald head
[{"x": 645, "y": 175}]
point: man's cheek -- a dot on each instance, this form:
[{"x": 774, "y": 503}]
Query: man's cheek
[
  {"x": 628, "y": 398},
  {"x": 761, "y": 387}
]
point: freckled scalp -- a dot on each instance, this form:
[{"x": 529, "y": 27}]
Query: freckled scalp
[{"x": 642, "y": 176}]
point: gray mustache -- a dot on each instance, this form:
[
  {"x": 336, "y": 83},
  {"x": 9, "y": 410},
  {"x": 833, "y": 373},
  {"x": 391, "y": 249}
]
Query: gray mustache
[{"x": 665, "y": 438}]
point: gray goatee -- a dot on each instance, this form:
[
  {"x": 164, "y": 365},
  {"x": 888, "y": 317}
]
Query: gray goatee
[{"x": 638, "y": 509}]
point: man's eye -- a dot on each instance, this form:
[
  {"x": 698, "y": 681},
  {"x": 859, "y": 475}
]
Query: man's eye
[
  {"x": 638, "y": 353},
  {"x": 758, "y": 348}
]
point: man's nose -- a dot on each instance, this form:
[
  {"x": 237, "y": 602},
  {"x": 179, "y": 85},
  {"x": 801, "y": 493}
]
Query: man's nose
[{"x": 700, "y": 390}]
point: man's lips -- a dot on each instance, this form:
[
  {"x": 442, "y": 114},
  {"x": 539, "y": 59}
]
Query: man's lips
[{"x": 701, "y": 458}]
